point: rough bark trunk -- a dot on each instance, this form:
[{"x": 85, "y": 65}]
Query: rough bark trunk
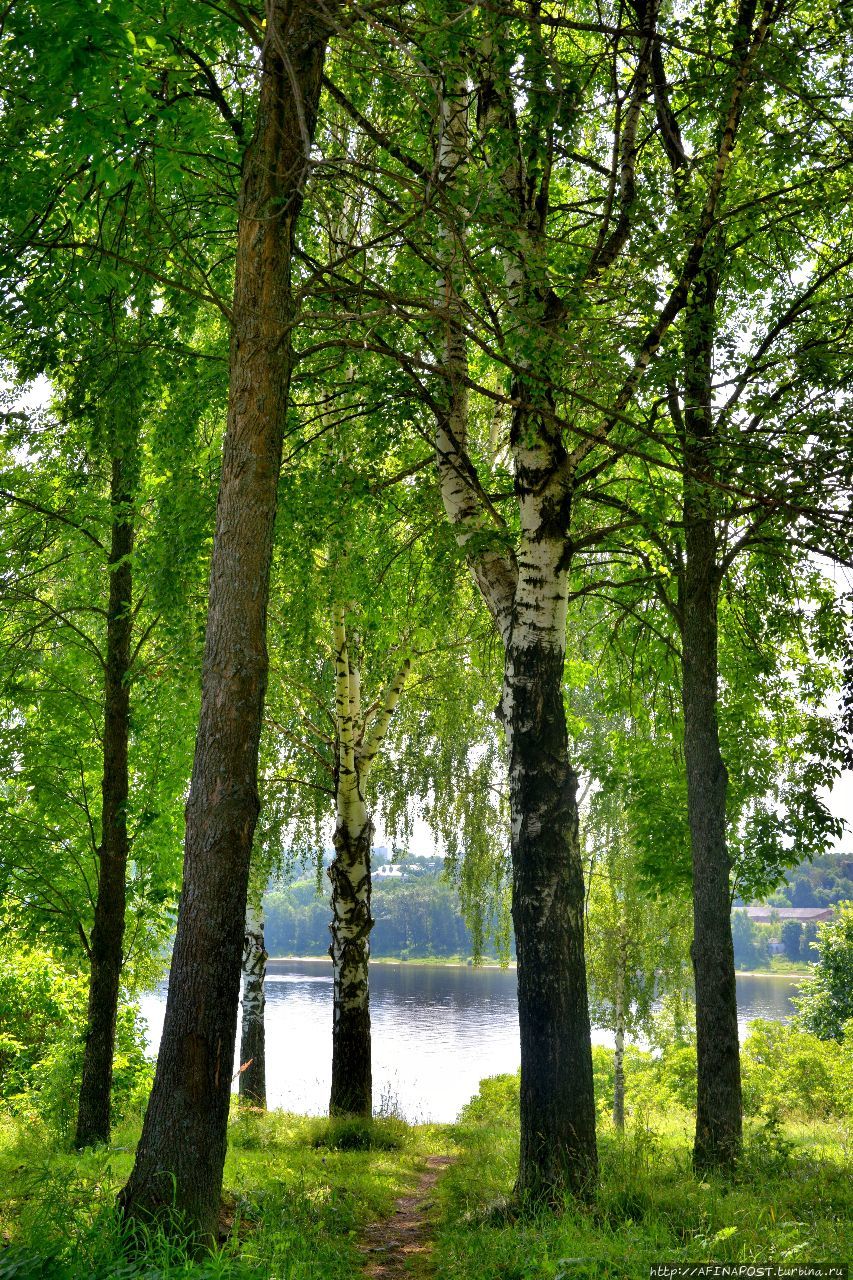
[
  {"x": 352, "y": 1080},
  {"x": 253, "y": 1061},
  {"x": 181, "y": 1153},
  {"x": 619, "y": 1048},
  {"x": 718, "y": 1109},
  {"x": 527, "y": 598},
  {"x": 93, "y": 1115},
  {"x": 558, "y": 1147}
]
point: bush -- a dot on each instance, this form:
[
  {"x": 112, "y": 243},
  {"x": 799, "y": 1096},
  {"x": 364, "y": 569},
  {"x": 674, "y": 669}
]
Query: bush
[
  {"x": 825, "y": 1003},
  {"x": 676, "y": 1074},
  {"x": 790, "y": 1072},
  {"x": 496, "y": 1101},
  {"x": 42, "y": 1030}
]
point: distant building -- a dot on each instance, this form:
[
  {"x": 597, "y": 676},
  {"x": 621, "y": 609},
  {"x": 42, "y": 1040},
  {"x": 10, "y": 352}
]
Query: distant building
[
  {"x": 762, "y": 914},
  {"x": 388, "y": 871}
]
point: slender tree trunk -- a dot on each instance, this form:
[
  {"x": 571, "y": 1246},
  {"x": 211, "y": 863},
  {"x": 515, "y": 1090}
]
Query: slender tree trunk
[
  {"x": 619, "y": 1049},
  {"x": 352, "y": 1080},
  {"x": 718, "y": 1110},
  {"x": 558, "y": 1148},
  {"x": 253, "y": 1060},
  {"x": 181, "y": 1153},
  {"x": 93, "y": 1115}
]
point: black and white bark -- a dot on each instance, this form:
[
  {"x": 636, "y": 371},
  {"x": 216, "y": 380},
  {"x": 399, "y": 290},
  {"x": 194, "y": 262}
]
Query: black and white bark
[
  {"x": 253, "y": 1061},
  {"x": 527, "y": 593},
  {"x": 358, "y": 743},
  {"x": 106, "y": 954}
]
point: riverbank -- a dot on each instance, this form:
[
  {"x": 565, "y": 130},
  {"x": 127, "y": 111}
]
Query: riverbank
[{"x": 441, "y": 962}]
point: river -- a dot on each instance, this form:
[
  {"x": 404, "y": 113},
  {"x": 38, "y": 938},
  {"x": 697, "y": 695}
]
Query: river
[{"x": 437, "y": 1031}]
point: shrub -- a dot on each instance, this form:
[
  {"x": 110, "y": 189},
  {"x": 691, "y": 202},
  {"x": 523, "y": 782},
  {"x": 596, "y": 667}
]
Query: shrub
[
  {"x": 42, "y": 1029},
  {"x": 825, "y": 1003},
  {"x": 790, "y": 1072},
  {"x": 496, "y": 1101}
]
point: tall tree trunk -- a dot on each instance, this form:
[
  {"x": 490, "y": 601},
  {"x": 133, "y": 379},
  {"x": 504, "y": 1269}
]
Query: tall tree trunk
[
  {"x": 619, "y": 1020},
  {"x": 253, "y": 1060},
  {"x": 718, "y": 1108},
  {"x": 527, "y": 597},
  {"x": 93, "y": 1115},
  {"x": 558, "y": 1148},
  {"x": 352, "y": 1079},
  {"x": 181, "y": 1153}
]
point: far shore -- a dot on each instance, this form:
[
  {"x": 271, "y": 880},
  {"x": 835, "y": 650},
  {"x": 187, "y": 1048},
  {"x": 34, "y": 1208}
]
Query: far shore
[
  {"x": 446, "y": 962},
  {"x": 456, "y": 962}
]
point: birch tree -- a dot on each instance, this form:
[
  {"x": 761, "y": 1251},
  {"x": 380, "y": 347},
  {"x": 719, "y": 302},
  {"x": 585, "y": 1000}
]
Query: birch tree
[
  {"x": 565, "y": 267},
  {"x": 253, "y": 1062}
]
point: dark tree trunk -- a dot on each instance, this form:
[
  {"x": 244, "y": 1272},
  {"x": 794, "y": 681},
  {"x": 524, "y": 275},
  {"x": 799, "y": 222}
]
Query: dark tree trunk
[
  {"x": 181, "y": 1153},
  {"x": 352, "y": 1080},
  {"x": 558, "y": 1147},
  {"x": 253, "y": 1045},
  {"x": 93, "y": 1114},
  {"x": 718, "y": 1110}
]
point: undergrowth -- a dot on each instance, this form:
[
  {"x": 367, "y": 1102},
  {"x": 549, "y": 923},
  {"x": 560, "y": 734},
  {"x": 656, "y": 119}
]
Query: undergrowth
[
  {"x": 790, "y": 1202},
  {"x": 299, "y": 1192}
]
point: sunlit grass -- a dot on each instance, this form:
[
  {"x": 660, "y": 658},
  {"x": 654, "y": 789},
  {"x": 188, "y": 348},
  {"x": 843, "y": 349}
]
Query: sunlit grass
[
  {"x": 791, "y": 1201},
  {"x": 299, "y": 1192},
  {"x": 296, "y": 1195}
]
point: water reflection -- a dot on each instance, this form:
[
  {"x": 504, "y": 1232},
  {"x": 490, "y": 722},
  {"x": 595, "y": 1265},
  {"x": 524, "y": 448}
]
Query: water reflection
[{"x": 437, "y": 1031}]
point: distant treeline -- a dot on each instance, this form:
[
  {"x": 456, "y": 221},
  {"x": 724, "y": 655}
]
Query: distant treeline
[
  {"x": 824, "y": 882},
  {"x": 416, "y": 918}
]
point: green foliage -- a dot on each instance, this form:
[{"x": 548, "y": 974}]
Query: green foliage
[
  {"x": 750, "y": 944},
  {"x": 637, "y": 940},
  {"x": 825, "y": 1003},
  {"x": 787, "y": 1073},
  {"x": 790, "y": 1072},
  {"x": 42, "y": 1025}
]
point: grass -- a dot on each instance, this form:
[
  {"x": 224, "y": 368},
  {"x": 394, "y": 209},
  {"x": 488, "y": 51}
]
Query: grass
[
  {"x": 300, "y": 1191},
  {"x": 791, "y": 1202}
]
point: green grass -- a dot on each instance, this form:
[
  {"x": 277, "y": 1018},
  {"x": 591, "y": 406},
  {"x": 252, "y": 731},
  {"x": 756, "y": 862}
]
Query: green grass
[
  {"x": 301, "y": 1190},
  {"x": 792, "y": 1201}
]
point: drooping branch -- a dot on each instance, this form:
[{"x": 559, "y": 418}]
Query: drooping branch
[{"x": 376, "y": 736}]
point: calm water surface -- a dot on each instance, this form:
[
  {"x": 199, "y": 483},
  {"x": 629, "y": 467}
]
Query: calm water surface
[{"x": 437, "y": 1031}]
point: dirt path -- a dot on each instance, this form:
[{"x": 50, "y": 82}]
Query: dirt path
[{"x": 399, "y": 1247}]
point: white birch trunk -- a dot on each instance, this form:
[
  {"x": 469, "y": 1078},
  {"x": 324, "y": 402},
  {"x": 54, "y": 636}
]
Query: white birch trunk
[
  {"x": 253, "y": 1088},
  {"x": 350, "y": 874}
]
